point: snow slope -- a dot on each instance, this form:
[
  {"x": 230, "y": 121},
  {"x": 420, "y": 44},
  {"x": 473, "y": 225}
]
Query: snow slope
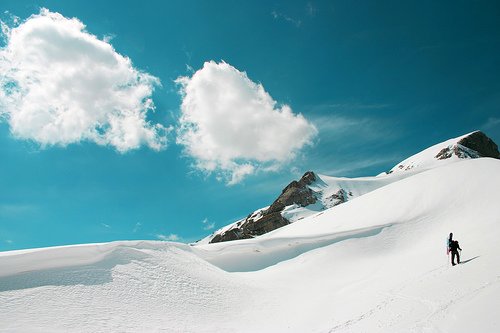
[
  {"x": 427, "y": 158},
  {"x": 374, "y": 264},
  {"x": 327, "y": 189},
  {"x": 332, "y": 191},
  {"x": 116, "y": 287}
]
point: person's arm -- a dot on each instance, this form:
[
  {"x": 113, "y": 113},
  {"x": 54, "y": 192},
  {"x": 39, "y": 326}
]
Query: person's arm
[{"x": 458, "y": 245}]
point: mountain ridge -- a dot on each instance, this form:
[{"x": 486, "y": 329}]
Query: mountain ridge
[{"x": 314, "y": 193}]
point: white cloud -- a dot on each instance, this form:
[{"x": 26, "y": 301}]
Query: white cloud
[
  {"x": 107, "y": 226},
  {"x": 171, "y": 237},
  {"x": 231, "y": 126},
  {"x": 60, "y": 84},
  {"x": 207, "y": 225}
]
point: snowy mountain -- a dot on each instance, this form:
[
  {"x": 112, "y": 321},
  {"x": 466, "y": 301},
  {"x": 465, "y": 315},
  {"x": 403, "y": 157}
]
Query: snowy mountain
[
  {"x": 472, "y": 145},
  {"x": 376, "y": 263},
  {"x": 314, "y": 193}
]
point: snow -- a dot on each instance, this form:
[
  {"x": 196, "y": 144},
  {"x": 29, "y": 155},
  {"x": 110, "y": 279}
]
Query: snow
[
  {"x": 374, "y": 264},
  {"x": 426, "y": 159},
  {"x": 327, "y": 188},
  {"x": 133, "y": 287}
]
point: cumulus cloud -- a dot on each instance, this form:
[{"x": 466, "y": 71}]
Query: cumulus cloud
[
  {"x": 231, "y": 126},
  {"x": 59, "y": 85}
]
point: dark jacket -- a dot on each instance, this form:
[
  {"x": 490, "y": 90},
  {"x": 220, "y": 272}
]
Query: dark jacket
[{"x": 454, "y": 246}]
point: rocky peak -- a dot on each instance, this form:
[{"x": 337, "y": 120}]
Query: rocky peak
[
  {"x": 297, "y": 192},
  {"x": 482, "y": 144},
  {"x": 457, "y": 150},
  {"x": 474, "y": 145},
  {"x": 308, "y": 178},
  {"x": 264, "y": 221}
]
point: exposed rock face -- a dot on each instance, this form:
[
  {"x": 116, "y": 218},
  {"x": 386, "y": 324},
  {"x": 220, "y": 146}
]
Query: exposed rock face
[
  {"x": 268, "y": 222},
  {"x": 261, "y": 222},
  {"x": 458, "y": 150},
  {"x": 297, "y": 193},
  {"x": 473, "y": 146},
  {"x": 229, "y": 235},
  {"x": 479, "y": 142},
  {"x": 337, "y": 198}
]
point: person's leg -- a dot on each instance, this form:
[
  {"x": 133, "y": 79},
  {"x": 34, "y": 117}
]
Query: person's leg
[
  {"x": 453, "y": 257},
  {"x": 458, "y": 257}
]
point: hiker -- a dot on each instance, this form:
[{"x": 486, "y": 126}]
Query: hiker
[{"x": 454, "y": 247}]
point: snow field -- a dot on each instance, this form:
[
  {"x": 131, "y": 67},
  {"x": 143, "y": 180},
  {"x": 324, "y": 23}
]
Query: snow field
[
  {"x": 374, "y": 264},
  {"x": 136, "y": 287}
]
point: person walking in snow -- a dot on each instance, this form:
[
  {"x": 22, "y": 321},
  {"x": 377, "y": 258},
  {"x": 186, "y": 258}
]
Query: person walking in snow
[{"x": 454, "y": 247}]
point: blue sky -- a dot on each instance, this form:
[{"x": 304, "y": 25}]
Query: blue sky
[{"x": 247, "y": 97}]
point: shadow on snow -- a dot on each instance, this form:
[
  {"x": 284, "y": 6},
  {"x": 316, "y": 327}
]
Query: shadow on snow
[
  {"x": 247, "y": 257},
  {"x": 468, "y": 260},
  {"x": 94, "y": 274}
]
